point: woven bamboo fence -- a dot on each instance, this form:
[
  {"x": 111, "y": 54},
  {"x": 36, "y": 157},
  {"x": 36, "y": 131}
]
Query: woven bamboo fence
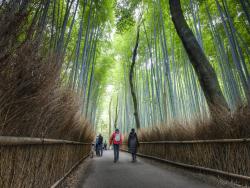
[
  {"x": 226, "y": 157},
  {"x": 38, "y": 162}
]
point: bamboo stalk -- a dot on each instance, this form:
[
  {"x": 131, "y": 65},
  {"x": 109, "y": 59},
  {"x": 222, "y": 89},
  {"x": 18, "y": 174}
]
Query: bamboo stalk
[
  {"x": 11, "y": 140},
  {"x": 240, "y": 140}
]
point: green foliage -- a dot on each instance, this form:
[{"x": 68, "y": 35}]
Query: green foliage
[
  {"x": 106, "y": 44},
  {"x": 124, "y": 13}
]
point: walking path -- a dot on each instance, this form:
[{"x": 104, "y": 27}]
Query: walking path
[{"x": 102, "y": 172}]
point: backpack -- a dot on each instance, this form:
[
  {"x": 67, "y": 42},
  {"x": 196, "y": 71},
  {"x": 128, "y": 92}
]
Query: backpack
[
  {"x": 117, "y": 137},
  {"x": 100, "y": 140}
]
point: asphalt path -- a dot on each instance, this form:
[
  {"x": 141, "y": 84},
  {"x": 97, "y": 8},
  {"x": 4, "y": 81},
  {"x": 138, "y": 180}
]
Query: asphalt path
[{"x": 102, "y": 172}]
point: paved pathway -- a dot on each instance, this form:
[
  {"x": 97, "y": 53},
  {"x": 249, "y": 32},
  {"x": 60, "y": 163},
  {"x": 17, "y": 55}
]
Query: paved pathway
[{"x": 102, "y": 172}]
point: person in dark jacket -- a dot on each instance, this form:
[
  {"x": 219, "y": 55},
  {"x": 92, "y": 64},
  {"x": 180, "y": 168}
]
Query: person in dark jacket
[
  {"x": 96, "y": 146},
  {"x": 133, "y": 143},
  {"x": 105, "y": 145},
  {"x": 100, "y": 144}
]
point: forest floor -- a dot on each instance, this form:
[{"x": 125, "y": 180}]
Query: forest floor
[{"x": 102, "y": 172}]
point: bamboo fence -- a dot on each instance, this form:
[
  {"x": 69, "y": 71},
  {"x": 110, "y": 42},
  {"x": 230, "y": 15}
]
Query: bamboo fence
[
  {"x": 38, "y": 162},
  {"x": 229, "y": 158}
]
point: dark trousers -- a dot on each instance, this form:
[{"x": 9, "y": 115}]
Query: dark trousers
[
  {"x": 97, "y": 150},
  {"x": 100, "y": 150},
  {"x": 116, "y": 152},
  {"x": 134, "y": 156}
]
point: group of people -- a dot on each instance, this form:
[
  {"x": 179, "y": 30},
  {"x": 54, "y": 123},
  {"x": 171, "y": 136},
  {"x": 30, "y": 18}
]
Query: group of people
[
  {"x": 133, "y": 143},
  {"x": 116, "y": 141}
]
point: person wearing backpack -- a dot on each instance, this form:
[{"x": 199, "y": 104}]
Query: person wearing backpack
[
  {"x": 133, "y": 143},
  {"x": 116, "y": 139}
]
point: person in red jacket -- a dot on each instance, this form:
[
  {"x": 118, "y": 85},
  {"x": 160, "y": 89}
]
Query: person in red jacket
[{"x": 116, "y": 139}]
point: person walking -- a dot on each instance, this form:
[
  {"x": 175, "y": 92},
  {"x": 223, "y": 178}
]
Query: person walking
[
  {"x": 116, "y": 139},
  {"x": 100, "y": 144},
  {"x": 105, "y": 145},
  {"x": 96, "y": 146},
  {"x": 133, "y": 143}
]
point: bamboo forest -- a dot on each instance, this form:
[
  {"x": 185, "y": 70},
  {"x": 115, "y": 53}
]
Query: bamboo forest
[{"x": 172, "y": 74}]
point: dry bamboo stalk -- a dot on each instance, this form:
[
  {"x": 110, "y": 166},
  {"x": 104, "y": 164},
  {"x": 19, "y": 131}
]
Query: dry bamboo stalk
[
  {"x": 200, "y": 141},
  {"x": 11, "y": 140}
]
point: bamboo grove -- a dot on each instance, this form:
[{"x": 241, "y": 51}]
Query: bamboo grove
[
  {"x": 97, "y": 41},
  {"x": 72, "y": 29},
  {"x": 166, "y": 84}
]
